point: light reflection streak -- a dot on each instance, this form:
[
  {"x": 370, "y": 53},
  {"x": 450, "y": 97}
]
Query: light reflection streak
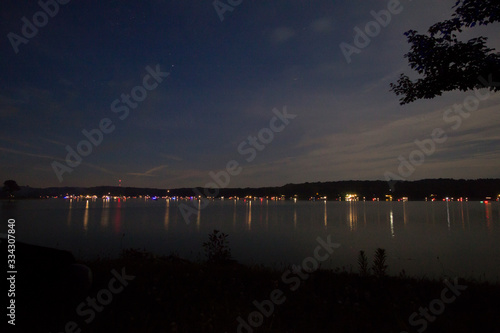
[
  {"x": 234, "y": 213},
  {"x": 294, "y": 217},
  {"x": 86, "y": 216},
  {"x": 105, "y": 213},
  {"x": 448, "y": 214},
  {"x": 261, "y": 207},
  {"x": 249, "y": 215},
  {"x": 118, "y": 216},
  {"x": 405, "y": 213},
  {"x": 267, "y": 214},
  {"x": 353, "y": 216},
  {"x": 392, "y": 223},
  {"x": 167, "y": 216},
  {"x": 69, "y": 212},
  {"x": 198, "y": 216},
  {"x": 325, "y": 216},
  {"x": 364, "y": 212},
  {"x": 462, "y": 214},
  {"x": 488, "y": 217}
]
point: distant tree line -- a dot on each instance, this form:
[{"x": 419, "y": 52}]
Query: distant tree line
[{"x": 414, "y": 190}]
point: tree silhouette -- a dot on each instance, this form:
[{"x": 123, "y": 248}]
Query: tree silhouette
[
  {"x": 10, "y": 186},
  {"x": 444, "y": 62}
]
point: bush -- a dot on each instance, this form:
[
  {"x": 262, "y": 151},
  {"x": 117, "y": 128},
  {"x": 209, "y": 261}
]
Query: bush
[
  {"x": 217, "y": 249},
  {"x": 363, "y": 264},
  {"x": 379, "y": 267}
]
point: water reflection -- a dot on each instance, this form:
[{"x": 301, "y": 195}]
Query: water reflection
[
  {"x": 105, "y": 213},
  {"x": 267, "y": 214},
  {"x": 378, "y": 212},
  {"x": 427, "y": 215},
  {"x": 198, "y": 215},
  {"x": 475, "y": 224},
  {"x": 433, "y": 212},
  {"x": 353, "y": 216},
  {"x": 325, "y": 216},
  {"x": 261, "y": 208},
  {"x": 462, "y": 215},
  {"x": 445, "y": 214},
  {"x": 294, "y": 216},
  {"x": 364, "y": 212},
  {"x": 118, "y": 216},
  {"x": 234, "y": 212},
  {"x": 249, "y": 215},
  {"x": 448, "y": 214},
  {"x": 70, "y": 211},
  {"x": 392, "y": 222},
  {"x": 467, "y": 210},
  {"x": 405, "y": 213},
  {"x": 86, "y": 216},
  {"x": 167, "y": 215},
  {"x": 489, "y": 214}
]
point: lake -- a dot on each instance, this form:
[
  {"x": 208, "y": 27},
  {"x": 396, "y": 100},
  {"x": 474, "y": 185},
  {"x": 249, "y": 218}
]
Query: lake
[{"x": 424, "y": 238}]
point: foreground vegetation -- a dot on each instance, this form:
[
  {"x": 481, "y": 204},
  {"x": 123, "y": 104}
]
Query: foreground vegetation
[
  {"x": 170, "y": 294},
  {"x": 173, "y": 295}
]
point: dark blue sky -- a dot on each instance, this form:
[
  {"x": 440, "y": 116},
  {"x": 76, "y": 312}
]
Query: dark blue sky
[{"x": 226, "y": 77}]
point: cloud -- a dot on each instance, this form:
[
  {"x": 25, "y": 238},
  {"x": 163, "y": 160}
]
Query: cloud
[
  {"x": 18, "y": 152},
  {"x": 96, "y": 167},
  {"x": 149, "y": 173},
  {"x": 171, "y": 157},
  {"x": 282, "y": 34},
  {"x": 323, "y": 24},
  {"x": 8, "y": 111},
  {"x": 16, "y": 142},
  {"x": 54, "y": 142}
]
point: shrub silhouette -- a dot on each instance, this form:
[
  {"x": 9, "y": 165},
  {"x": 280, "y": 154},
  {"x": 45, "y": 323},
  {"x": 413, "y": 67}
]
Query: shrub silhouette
[
  {"x": 363, "y": 264},
  {"x": 379, "y": 267},
  {"x": 217, "y": 249}
]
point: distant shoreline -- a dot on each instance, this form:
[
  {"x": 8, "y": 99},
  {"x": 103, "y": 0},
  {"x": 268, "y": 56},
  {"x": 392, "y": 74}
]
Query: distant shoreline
[
  {"x": 256, "y": 198},
  {"x": 419, "y": 190}
]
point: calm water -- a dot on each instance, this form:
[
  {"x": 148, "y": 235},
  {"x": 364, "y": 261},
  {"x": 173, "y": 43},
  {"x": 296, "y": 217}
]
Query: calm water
[{"x": 423, "y": 238}]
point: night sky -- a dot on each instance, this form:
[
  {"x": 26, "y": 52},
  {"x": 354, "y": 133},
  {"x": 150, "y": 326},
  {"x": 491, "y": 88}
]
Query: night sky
[{"x": 225, "y": 79}]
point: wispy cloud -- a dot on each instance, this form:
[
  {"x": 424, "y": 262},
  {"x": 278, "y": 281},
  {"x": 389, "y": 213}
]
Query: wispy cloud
[
  {"x": 171, "y": 157},
  {"x": 100, "y": 168},
  {"x": 149, "y": 173},
  {"x": 282, "y": 34},
  {"x": 323, "y": 24},
  {"x": 54, "y": 142},
  {"x": 18, "y": 152}
]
